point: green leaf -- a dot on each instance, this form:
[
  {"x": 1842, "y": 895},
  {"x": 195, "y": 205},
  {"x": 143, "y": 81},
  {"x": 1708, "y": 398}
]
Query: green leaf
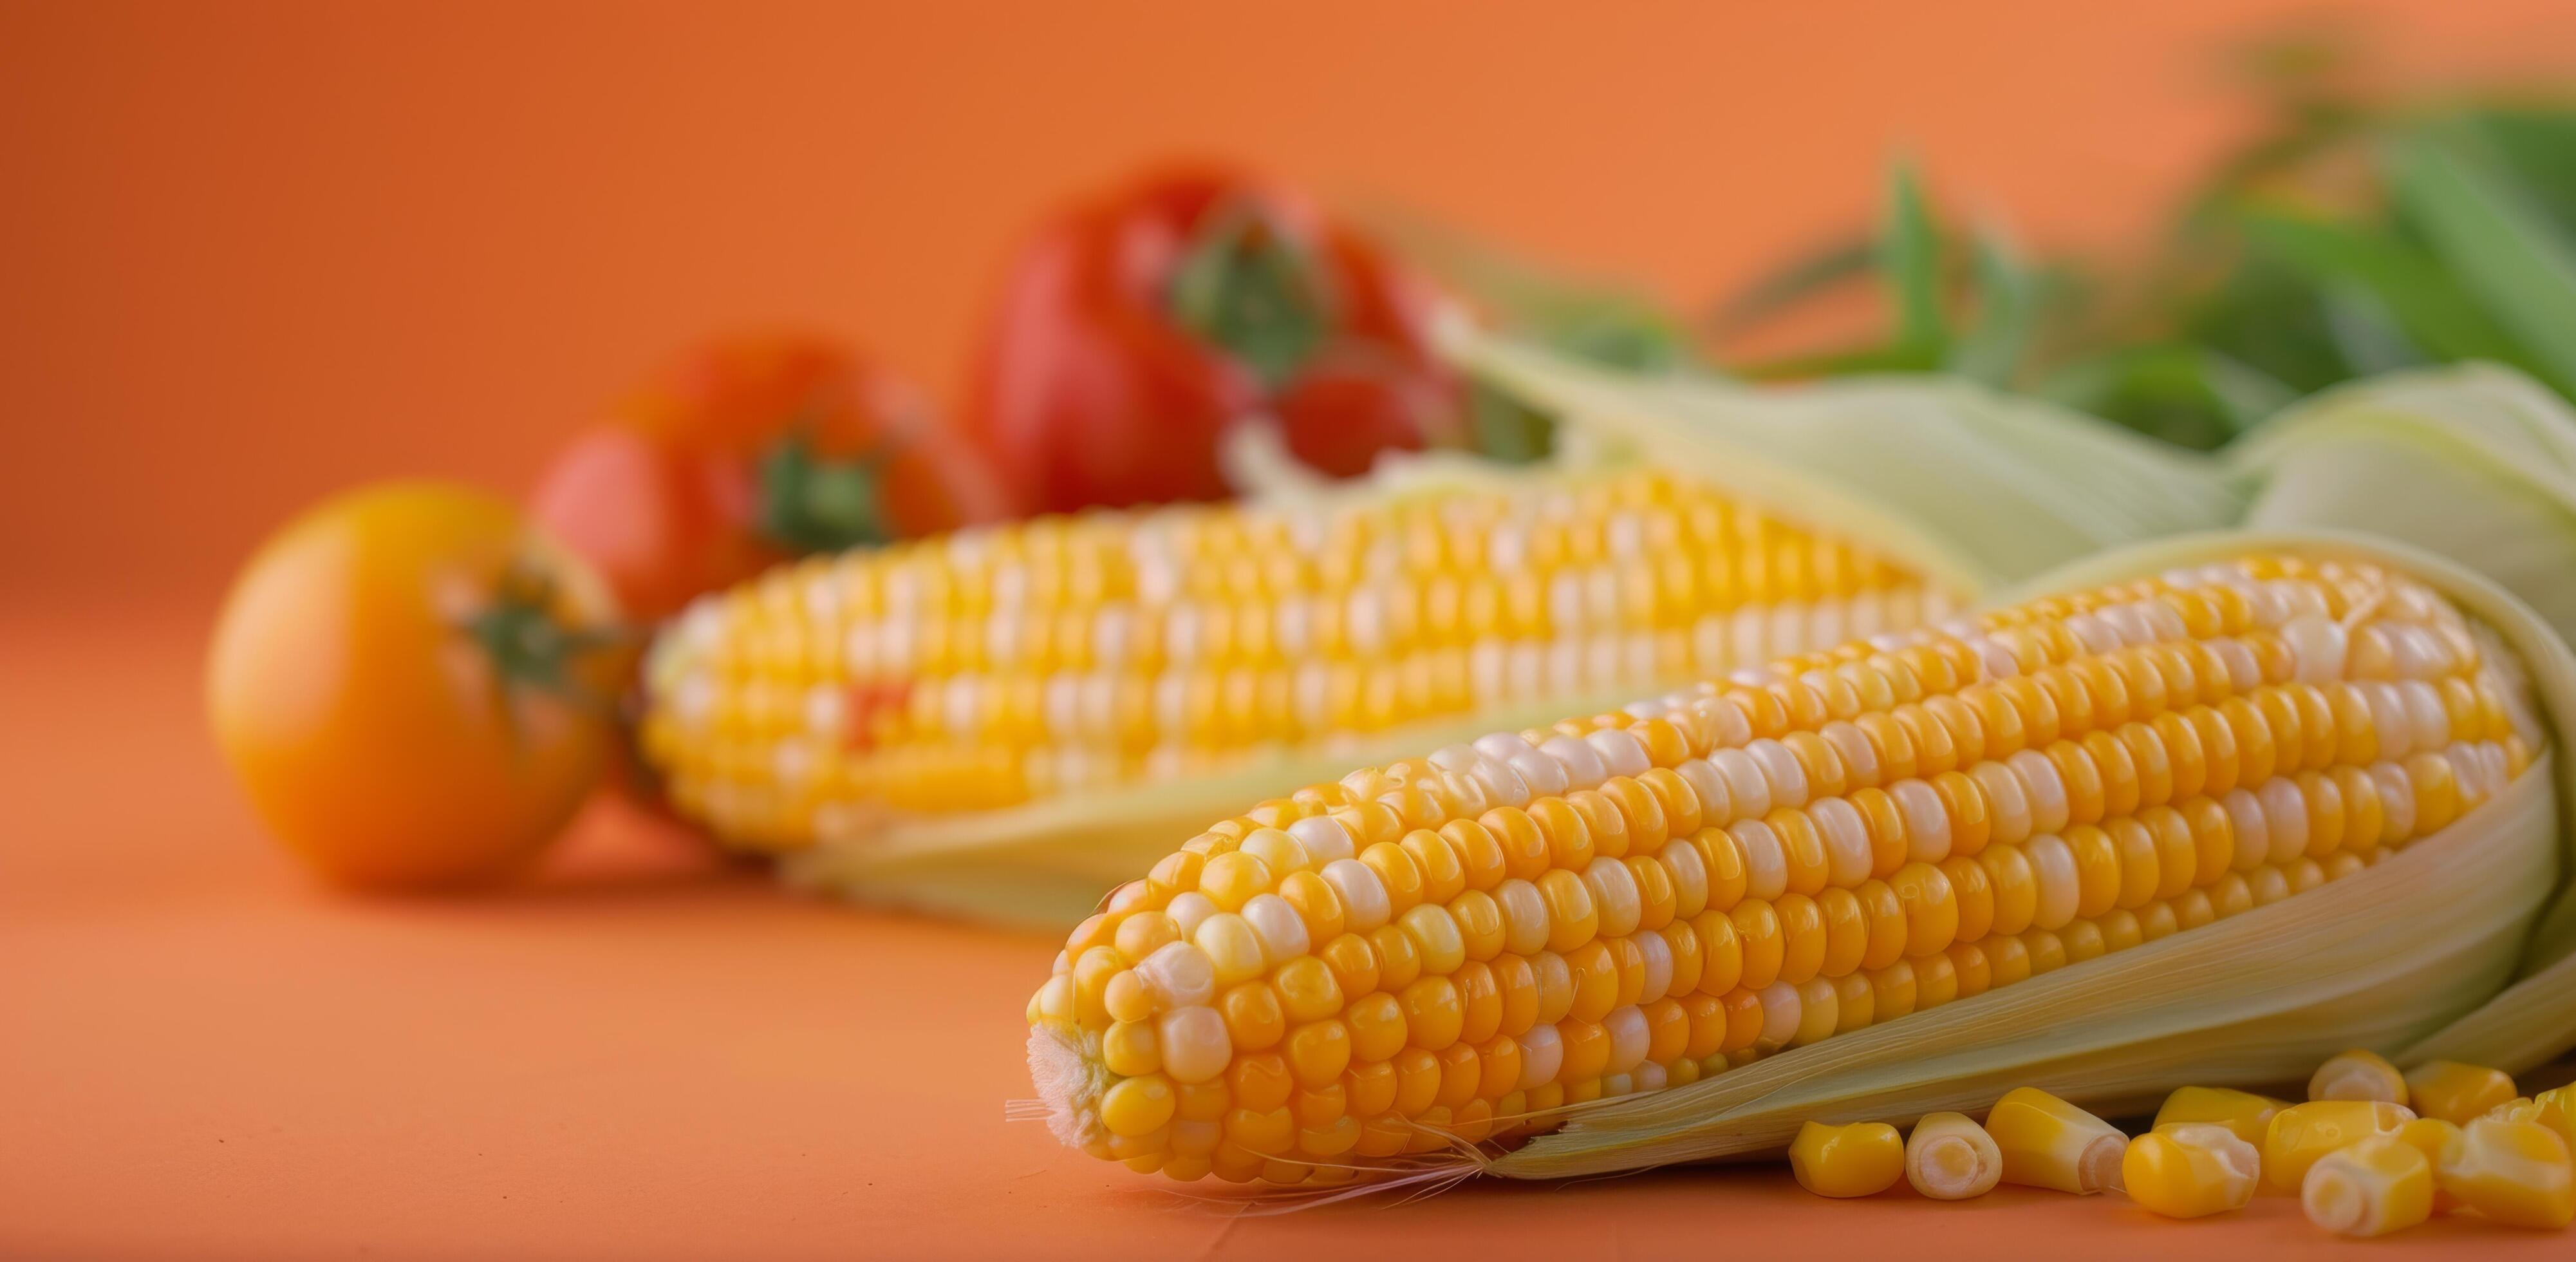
[
  {"x": 2265, "y": 316},
  {"x": 2366, "y": 333},
  {"x": 2505, "y": 252},
  {"x": 1503, "y": 428},
  {"x": 1910, "y": 254},
  {"x": 2188, "y": 395},
  {"x": 2538, "y": 146},
  {"x": 2427, "y": 302},
  {"x": 1848, "y": 362},
  {"x": 1792, "y": 283},
  {"x": 2008, "y": 294}
]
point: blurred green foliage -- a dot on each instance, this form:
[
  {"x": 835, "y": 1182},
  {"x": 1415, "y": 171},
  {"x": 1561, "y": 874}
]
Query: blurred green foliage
[{"x": 2352, "y": 234}]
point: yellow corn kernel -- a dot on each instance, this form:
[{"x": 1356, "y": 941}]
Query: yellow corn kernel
[
  {"x": 2048, "y": 1143},
  {"x": 2428, "y": 1135},
  {"x": 1951, "y": 1158},
  {"x": 2358, "y": 1075},
  {"x": 2554, "y": 1108},
  {"x": 2455, "y": 1092},
  {"x": 1862, "y": 1159},
  {"x": 2379, "y": 1185},
  {"x": 1138, "y": 1106},
  {"x": 2191, "y": 1169},
  {"x": 2521, "y": 1108},
  {"x": 2517, "y": 1173},
  {"x": 2246, "y": 1114},
  {"x": 2302, "y": 1133}
]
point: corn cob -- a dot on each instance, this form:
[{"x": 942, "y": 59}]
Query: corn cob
[
  {"x": 1461, "y": 949},
  {"x": 1007, "y": 666}
]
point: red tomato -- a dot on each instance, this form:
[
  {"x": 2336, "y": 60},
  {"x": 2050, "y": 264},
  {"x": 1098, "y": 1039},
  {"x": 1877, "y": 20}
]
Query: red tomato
[
  {"x": 753, "y": 451},
  {"x": 1136, "y": 331}
]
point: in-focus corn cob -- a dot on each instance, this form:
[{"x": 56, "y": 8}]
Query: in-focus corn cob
[
  {"x": 1456, "y": 949},
  {"x": 1007, "y": 665}
]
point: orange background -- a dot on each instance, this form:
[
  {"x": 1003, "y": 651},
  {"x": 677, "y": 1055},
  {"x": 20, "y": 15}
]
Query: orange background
[{"x": 250, "y": 253}]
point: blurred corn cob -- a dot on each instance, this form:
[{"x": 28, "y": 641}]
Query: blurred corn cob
[
  {"x": 1005, "y": 722},
  {"x": 1439, "y": 953},
  {"x": 988, "y": 669}
]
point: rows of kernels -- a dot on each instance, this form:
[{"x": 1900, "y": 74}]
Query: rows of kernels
[
  {"x": 1000, "y": 665},
  {"x": 1641, "y": 898}
]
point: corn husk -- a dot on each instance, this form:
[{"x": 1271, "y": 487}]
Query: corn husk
[
  {"x": 2476, "y": 464},
  {"x": 1970, "y": 489},
  {"x": 1976, "y": 488},
  {"x": 2414, "y": 953}
]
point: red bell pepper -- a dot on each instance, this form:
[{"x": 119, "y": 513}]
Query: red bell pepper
[{"x": 1136, "y": 331}]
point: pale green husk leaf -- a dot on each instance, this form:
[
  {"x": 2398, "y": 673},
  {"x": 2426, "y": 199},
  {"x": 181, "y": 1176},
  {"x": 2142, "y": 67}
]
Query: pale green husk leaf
[
  {"x": 1969, "y": 487},
  {"x": 1972, "y": 486}
]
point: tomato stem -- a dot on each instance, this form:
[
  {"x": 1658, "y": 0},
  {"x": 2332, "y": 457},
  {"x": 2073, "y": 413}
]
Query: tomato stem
[
  {"x": 811, "y": 504},
  {"x": 1251, "y": 291},
  {"x": 529, "y": 646}
]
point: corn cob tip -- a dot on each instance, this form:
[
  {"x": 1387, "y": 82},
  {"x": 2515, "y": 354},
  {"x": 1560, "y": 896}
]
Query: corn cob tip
[{"x": 1068, "y": 1084}]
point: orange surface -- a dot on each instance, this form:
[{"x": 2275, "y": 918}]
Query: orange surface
[
  {"x": 251, "y": 253},
  {"x": 201, "y": 1055}
]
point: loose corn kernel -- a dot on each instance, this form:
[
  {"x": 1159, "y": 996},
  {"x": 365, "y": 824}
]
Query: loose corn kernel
[
  {"x": 2428, "y": 1135},
  {"x": 1861, "y": 1159},
  {"x": 2556, "y": 1109},
  {"x": 2371, "y": 1188},
  {"x": 2357, "y": 1075},
  {"x": 2517, "y": 1173},
  {"x": 2455, "y": 1092},
  {"x": 2244, "y": 1113},
  {"x": 2191, "y": 1169},
  {"x": 1951, "y": 1158},
  {"x": 2048, "y": 1143},
  {"x": 2302, "y": 1133}
]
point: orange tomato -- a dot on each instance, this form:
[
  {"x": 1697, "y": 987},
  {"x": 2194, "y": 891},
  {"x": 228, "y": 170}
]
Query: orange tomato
[{"x": 414, "y": 687}]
